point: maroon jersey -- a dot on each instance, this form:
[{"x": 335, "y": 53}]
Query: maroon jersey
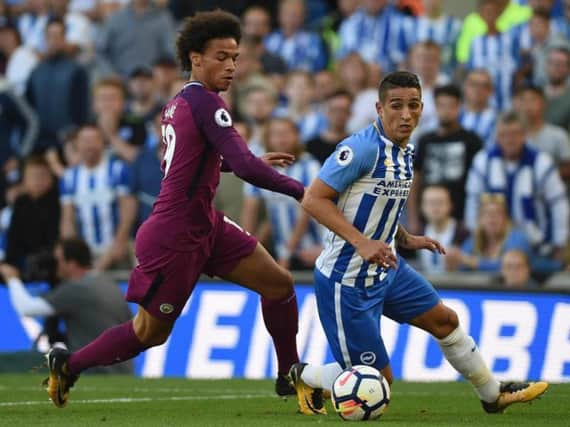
[{"x": 197, "y": 130}]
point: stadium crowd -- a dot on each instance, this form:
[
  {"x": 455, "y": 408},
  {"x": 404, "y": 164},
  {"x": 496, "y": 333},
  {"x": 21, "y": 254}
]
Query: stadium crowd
[{"x": 84, "y": 81}]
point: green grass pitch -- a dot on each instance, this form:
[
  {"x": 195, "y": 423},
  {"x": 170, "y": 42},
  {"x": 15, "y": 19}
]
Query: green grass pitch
[{"x": 126, "y": 401}]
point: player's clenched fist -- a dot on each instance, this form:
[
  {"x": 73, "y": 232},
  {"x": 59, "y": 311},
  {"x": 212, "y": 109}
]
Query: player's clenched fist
[{"x": 378, "y": 252}]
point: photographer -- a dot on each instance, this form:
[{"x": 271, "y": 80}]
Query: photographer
[{"x": 89, "y": 303}]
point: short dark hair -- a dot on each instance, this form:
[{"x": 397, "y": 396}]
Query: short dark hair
[
  {"x": 448, "y": 90},
  {"x": 199, "y": 29},
  {"x": 340, "y": 92},
  {"x": 55, "y": 21},
  {"x": 537, "y": 90},
  {"x": 77, "y": 250},
  {"x": 397, "y": 79}
]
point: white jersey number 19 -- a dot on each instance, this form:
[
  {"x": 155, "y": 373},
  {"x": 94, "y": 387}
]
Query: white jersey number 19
[{"x": 168, "y": 138}]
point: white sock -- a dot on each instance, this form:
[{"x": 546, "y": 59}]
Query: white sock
[
  {"x": 463, "y": 354},
  {"x": 321, "y": 376}
]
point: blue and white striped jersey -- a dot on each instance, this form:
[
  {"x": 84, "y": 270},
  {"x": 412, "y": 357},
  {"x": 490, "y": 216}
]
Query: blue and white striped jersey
[
  {"x": 373, "y": 177},
  {"x": 305, "y": 50},
  {"x": 284, "y": 212},
  {"x": 499, "y": 54},
  {"x": 378, "y": 39},
  {"x": 535, "y": 194},
  {"x": 483, "y": 123},
  {"x": 94, "y": 193}
]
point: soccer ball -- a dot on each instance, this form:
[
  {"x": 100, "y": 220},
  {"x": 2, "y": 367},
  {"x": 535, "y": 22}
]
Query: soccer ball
[{"x": 360, "y": 393}]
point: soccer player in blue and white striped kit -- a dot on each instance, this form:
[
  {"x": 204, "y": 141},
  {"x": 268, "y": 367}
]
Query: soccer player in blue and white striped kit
[{"x": 359, "y": 196}]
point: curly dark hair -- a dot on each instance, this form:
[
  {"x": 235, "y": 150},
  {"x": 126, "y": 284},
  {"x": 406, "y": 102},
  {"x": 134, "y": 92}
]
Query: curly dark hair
[
  {"x": 398, "y": 79},
  {"x": 202, "y": 27}
]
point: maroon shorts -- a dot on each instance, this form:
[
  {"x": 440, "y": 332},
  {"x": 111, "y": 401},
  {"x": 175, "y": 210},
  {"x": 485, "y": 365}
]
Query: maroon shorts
[{"x": 163, "y": 283}]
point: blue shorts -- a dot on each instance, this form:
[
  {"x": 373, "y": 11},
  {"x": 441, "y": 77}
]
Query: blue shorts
[{"x": 351, "y": 315}]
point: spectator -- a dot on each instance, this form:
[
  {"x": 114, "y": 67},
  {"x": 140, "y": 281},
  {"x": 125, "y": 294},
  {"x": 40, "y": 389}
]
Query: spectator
[
  {"x": 65, "y": 155},
  {"x": 436, "y": 208},
  {"x": 297, "y": 238},
  {"x": 144, "y": 104},
  {"x": 300, "y": 49},
  {"x": 543, "y": 136},
  {"x": 256, "y": 26},
  {"x": 165, "y": 72},
  {"x": 58, "y": 88},
  {"x": 34, "y": 226},
  {"x": 125, "y": 133},
  {"x": 425, "y": 61},
  {"x": 146, "y": 174},
  {"x": 89, "y": 303},
  {"x": 434, "y": 25},
  {"x": 493, "y": 236},
  {"x": 375, "y": 32},
  {"x": 477, "y": 114},
  {"x": 328, "y": 26},
  {"x": 96, "y": 202},
  {"x": 536, "y": 37},
  {"x": 337, "y": 111},
  {"x": 21, "y": 59},
  {"x": 300, "y": 91},
  {"x": 79, "y": 33},
  {"x": 443, "y": 156},
  {"x": 355, "y": 76},
  {"x": 561, "y": 23},
  {"x": 32, "y": 25},
  {"x": 502, "y": 14},
  {"x": 136, "y": 35},
  {"x": 325, "y": 85},
  {"x": 557, "y": 89},
  {"x": 535, "y": 195},
  {"x": 515, "y": 270},
  {"x": 502, "y": 61},
  {"x": 257, "y": 107}
]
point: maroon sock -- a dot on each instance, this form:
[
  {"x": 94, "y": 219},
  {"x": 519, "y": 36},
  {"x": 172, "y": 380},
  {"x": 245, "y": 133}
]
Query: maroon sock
[
  {"x": 115, "y": 345},
  {"x": 281, "y": 319}
]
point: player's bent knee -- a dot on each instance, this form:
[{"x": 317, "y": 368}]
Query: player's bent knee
[
  {"x": 278, "y": 286},
  {"x": 149, "y": 330}
]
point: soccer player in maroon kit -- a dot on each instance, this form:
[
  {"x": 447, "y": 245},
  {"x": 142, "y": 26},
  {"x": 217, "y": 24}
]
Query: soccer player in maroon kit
[{"x": 185, "y": 236}]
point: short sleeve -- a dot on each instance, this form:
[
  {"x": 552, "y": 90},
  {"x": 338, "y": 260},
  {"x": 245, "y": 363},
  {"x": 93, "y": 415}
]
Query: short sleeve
[
  {"x": 351, "y": 160},
  {"x": 121, "y": 177},
  {"x": 251, "y": 191},
  {"x": 67, "y": 186}
]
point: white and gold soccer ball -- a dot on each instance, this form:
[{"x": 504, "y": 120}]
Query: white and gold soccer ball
[{"x": 360, "y": 393}]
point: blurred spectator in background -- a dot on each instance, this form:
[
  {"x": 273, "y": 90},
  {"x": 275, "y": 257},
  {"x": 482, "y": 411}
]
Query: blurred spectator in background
[
  {"x": 561, "y": 23},
  {"x": 165, "y": 72},
  {"x": 96, "y": 203},
  {"x": 536, "y": 37},
  {"x": 57, "y": 88},
  {"x": 355, "y": 77},
  {"x": 376, "y": 32},
  {"x": 534, "y": 193},
  {"x": 65, "y": 154},
  {"x": 300, "y": 49},
  {"x": 337, "y": 112},
  {"x": 325, "y": 85},
  {"x": 436, "y": 208},
  {"x": 425, "y": 61},
  {"x": 256, "y": 26},
  {"x": 146, "y": 175},
  {"x": 444, "y": 156},
  {"x": 436, "y": 26},
  {"x": 21, "y": 59},
  {"x": 125, "y": 133},
  {"x": 79, "y": 33},
  {"x": 257, "y": 106},
  {"x": 502, "y": 61},
  {"x": 297, "y": 238},
  {"x": 499, "y": 14},
  {"x": 144, "y": 104},
  {"x": 557, "y": 89},
  {"x": 493, "y": 236},
  {"x": 477, "y": 114},
  {"x": 32, "y": 24},
  {"x": 34, "y": 225},
  {"x": 543, "y": 136},
  {"x": 300, "y": 91},
  {"x": 515, "y": 270},
  {"x": 329, "y": 25},
  {"x": 136, "y": 35},
  {"x": 88, "y": 302}
]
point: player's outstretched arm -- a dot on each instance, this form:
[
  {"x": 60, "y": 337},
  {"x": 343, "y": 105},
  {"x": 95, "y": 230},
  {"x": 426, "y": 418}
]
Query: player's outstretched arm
[
  {"x": 413, "y": 242},
  {"x": 318, "y": 202}
]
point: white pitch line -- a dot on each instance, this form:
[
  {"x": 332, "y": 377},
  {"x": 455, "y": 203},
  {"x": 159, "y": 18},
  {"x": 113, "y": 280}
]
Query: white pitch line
[{"x": 143, "y": 399}]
